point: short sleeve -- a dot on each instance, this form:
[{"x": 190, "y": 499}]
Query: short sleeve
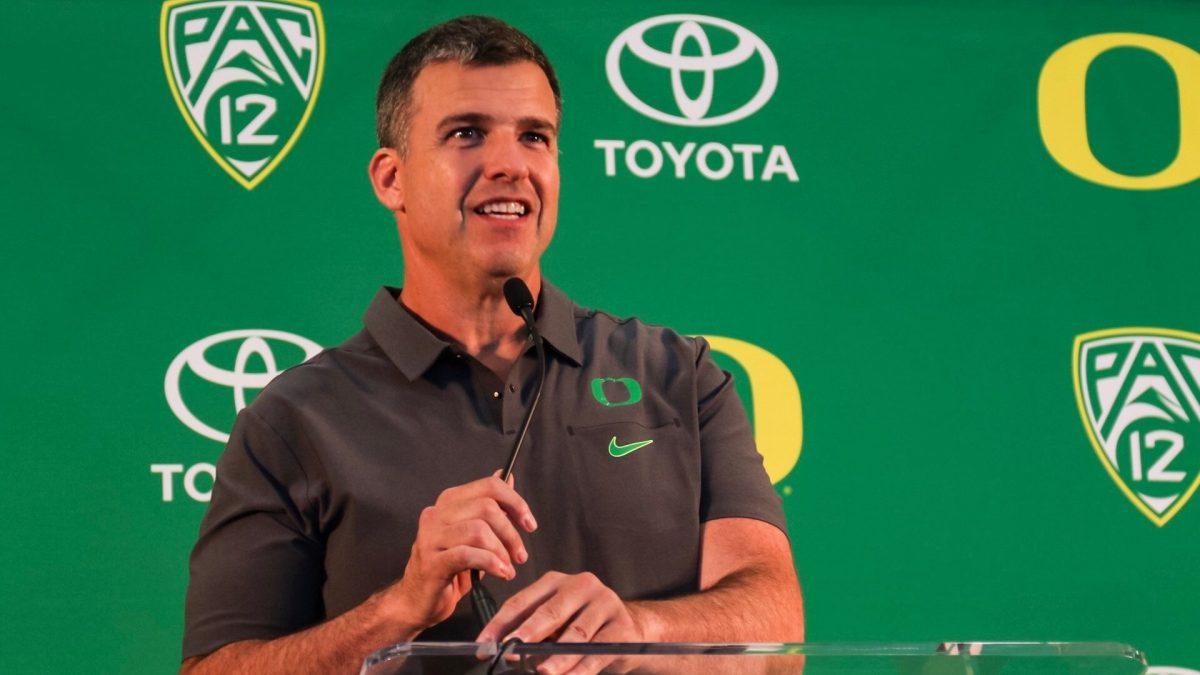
[
  {"x": 734, "y": 483},
  {"x": 256, "y": 571}
]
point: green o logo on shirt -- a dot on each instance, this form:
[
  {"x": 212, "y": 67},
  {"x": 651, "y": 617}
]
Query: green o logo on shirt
[{"x": 631, "y": 387}]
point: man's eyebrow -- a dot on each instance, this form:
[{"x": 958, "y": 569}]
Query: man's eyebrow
[
  {"x": 481, "y": 119},
  {"x": 537, "y": 123},
  {"x": 469, "y": 119}
]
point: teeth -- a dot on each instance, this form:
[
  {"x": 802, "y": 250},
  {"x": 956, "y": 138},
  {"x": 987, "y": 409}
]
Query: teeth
[{"x": 510, "y": 208}]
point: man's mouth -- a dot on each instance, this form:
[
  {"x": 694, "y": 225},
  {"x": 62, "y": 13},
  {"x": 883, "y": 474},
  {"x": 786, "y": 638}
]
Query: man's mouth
[{"x": 504, "y": 209}]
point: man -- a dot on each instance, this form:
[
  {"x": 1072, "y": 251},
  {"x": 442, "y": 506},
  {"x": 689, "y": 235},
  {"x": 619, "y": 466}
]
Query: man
[{"x": 357, "y": 491}]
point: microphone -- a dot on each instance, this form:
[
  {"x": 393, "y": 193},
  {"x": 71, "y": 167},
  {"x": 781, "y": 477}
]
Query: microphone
[{"x": 520, "y": 301}]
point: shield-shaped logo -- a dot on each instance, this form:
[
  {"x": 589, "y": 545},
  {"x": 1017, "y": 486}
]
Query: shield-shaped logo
[
  {"x": 1138, "y": 391},
  {"x": 245, "y": 74}
]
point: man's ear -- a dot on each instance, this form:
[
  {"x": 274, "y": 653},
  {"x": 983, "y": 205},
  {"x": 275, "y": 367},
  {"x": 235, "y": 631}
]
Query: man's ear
[{"x": 384, "y": 171}]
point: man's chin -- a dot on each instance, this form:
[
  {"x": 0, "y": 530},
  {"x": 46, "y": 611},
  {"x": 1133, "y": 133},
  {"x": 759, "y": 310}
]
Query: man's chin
[
  {"x": 498, "y": 275},
  {"x": 505, "y": 267}
]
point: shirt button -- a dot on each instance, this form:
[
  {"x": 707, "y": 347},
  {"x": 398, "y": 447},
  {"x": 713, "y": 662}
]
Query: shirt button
[{"x": 495, "y": 394}]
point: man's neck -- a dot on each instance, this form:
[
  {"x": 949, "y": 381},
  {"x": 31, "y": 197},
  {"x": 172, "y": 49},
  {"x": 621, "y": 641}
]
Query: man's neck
[{"x": 475, "y": 315}]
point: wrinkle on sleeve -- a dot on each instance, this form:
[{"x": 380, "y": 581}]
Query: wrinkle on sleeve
[
  {"x": 256, "y": 570},
  {"x": 734, "y": 483}
]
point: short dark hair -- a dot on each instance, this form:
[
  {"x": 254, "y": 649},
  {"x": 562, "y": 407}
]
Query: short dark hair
[{"x": 468, "y": 40}]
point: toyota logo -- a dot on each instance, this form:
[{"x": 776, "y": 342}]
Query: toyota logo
[
  {"x": 693, "y": 112},
  {"x": 249, "y": 342}
]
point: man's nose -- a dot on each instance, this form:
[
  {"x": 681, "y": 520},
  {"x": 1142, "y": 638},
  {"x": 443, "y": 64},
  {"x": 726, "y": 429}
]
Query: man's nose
[{"x": 505, "y": 159}]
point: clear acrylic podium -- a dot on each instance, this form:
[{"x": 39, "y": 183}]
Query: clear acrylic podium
[{"x": 946, "y": 658}]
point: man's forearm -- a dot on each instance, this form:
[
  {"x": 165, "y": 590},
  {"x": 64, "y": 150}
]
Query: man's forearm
[
  {"x": 338, "y": 645},
  {"x": 755, "y": 604}
]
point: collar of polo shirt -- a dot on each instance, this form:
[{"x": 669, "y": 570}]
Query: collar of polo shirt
[{"x": 413, "y": 346}]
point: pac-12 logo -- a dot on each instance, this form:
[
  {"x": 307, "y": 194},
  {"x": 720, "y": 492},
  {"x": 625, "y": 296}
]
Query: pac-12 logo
[
  {"x": 1138, "y": 391},
  {"x": 245, "y": 74},
  {"x": 748, "y": 70},
  {"x": 253, "y": 358}
]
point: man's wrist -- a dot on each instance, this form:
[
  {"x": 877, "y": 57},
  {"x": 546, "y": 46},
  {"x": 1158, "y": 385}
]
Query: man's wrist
[
  {"x": 393, "y": 611},
  {"x": 649, "y": 624}
]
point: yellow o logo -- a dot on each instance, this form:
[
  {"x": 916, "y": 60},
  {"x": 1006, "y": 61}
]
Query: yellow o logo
[
  {"x": 1062, "y": 109},
  {"x": 775, "y": 397}
]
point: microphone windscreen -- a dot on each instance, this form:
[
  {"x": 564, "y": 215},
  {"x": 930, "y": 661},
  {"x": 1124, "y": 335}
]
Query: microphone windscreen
[{"x": 517, "y": 295}]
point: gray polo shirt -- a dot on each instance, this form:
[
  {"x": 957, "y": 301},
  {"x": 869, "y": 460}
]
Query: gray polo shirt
[{"x": 318, "y": 492}]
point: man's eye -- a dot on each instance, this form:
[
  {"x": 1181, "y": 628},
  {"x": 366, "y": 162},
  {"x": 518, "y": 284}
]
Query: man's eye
[
  {"x": 466, "y": 133},
  {"x": 536, "y": 137}
]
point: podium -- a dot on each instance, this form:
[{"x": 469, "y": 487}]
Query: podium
[{"x": 945, "y": 658}]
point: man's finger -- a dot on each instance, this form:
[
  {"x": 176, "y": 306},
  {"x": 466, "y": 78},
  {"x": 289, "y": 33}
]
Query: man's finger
[
  {"x": 462, "y": 583},
  {"x": 517, "y": 608},
  {"x": 548, "y": 618},
  {"x": 488, "y": 511},
  {"x": 589, "y": 665},
  {"x": 500, "y": 491},
  {"x": 461, "y": 558},
  {"x": 511, "y": 480},
  {"x": 476, "y": 533},
  {"x": 584, "y": 627}
]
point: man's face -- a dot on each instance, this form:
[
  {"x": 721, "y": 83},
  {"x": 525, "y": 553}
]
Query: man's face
[{"x": 479, "y": 184}]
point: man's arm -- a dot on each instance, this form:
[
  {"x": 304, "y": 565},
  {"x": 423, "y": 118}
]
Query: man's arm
[
  {"x": 338, "y": 645},
  {"x": 472, "y": 526},
  {"x": 748, "y": 592}
]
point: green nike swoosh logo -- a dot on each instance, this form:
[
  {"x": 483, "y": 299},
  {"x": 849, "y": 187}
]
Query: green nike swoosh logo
[{"x": 621, "y": 450}]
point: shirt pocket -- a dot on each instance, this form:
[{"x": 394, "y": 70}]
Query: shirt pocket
[{"x": 636, "y": 474}]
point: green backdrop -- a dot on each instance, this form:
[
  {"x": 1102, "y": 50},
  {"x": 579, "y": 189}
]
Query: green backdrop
[{"x": 976, "y": 186}]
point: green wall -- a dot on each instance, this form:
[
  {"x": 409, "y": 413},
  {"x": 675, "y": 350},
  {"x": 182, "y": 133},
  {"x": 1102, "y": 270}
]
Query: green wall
[{"x": 968, "y": 201}]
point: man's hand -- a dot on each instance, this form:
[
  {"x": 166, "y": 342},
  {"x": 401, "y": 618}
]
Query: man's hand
[
  {"x": 469, "y": 527},
  {"x": 567, "y": 608},
  {"x": 472, "y": 526}
]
